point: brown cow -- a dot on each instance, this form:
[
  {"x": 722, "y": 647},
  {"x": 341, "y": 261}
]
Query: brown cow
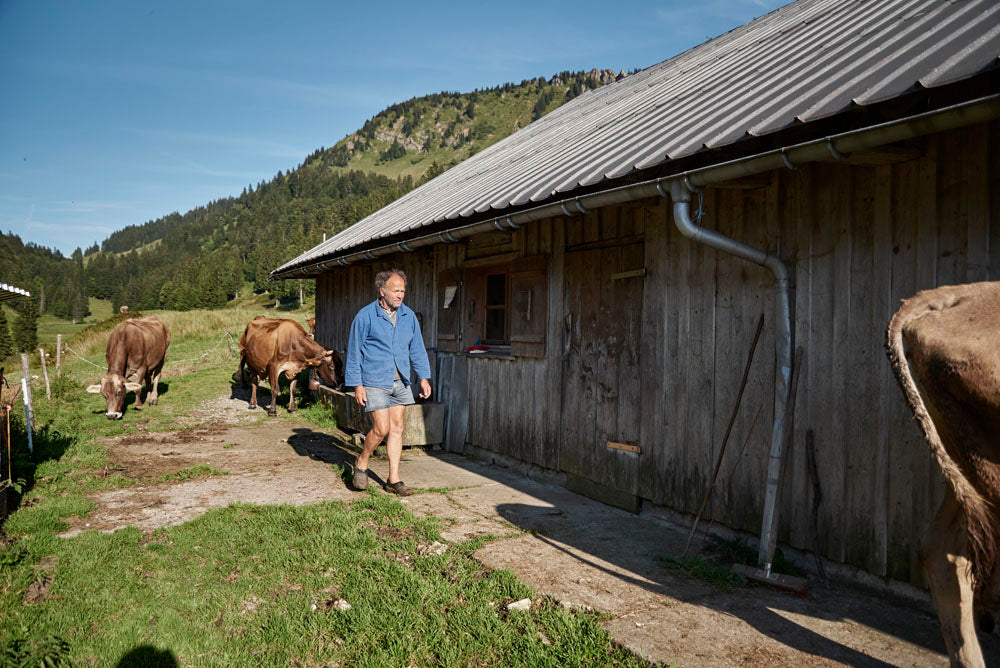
[
  {"x": 952, "y": 336},
  {"x": 136, "y": 349},
  {"x": 272, "y": 346},
  {"x": 312, "y": 326}
]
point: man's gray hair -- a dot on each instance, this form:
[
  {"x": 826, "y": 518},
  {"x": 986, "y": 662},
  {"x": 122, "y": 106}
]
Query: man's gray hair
[{"x": 382, "y": 277}]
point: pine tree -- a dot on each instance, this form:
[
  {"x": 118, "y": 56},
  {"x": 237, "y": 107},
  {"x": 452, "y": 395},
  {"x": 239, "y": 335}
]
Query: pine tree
[
  {"x": 26, "y": 327},
  {"x": 6, "y": 342},
  {"x": 80, "y": 307}
]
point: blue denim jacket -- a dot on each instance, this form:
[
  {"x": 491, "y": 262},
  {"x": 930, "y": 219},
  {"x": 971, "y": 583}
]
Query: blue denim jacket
[{"x": 376, "y": 348}]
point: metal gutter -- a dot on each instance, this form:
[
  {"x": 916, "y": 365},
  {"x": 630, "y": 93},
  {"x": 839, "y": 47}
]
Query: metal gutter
[{"x": 836, "y": 146}]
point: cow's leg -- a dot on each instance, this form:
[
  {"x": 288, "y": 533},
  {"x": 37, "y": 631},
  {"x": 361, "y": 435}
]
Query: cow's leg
[
  {"x": 154, "y": 385},
  {"x": 253, "y": 389},
  {"x": 291, "y": 393},
  {"x": 140, "y": 376},
  {"x": 944, "y": 555},
  {"x": 989, "y": 604},
  {"x": 273, "y": 377}
]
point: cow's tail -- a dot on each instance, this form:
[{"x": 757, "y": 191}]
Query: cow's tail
[{"x": 976, "y": 509}]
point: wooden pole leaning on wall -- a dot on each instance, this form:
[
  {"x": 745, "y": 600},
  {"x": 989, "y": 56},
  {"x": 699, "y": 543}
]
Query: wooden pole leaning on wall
[
  {"x": 725, "y": 439},
  {"x": 58, "y": 355},
  {"x": 26, "y": 388},
  {"x": 45, "y": 374}
]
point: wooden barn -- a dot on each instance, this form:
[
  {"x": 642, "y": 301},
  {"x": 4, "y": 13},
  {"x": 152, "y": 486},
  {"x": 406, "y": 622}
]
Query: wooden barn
[{"x": 812, "y": 167}]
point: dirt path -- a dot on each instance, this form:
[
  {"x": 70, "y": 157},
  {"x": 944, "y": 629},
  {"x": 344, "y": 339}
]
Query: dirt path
[{"x": 578, "y": 551}]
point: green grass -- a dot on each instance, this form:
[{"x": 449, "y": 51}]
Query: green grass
[
  {"x": 718, "y": 556},
  {"x": 249, "y": 585},
  {"x": 246, "y": 585}
]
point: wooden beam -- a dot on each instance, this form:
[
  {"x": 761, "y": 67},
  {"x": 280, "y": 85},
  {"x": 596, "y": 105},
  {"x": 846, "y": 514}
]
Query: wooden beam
[{"x": 627, "y": 447}]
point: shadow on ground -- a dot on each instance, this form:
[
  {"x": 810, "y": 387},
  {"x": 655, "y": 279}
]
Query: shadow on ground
[{"x": 631, "y": 548}]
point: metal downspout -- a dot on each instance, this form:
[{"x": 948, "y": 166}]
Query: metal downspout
[{"x": 680, "y": 195}]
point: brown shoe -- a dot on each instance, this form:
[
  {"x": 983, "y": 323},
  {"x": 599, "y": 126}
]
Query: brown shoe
[{"x": 399, "y": 488}]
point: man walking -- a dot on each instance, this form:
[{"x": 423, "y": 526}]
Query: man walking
[{"x": 385, "y": 341}]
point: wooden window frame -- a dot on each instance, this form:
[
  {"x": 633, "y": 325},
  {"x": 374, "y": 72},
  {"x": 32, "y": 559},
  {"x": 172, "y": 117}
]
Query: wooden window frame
[{"x": 525, "y": 307}]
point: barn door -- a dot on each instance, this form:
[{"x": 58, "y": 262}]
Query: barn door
[{"x": 602, "y": 300}]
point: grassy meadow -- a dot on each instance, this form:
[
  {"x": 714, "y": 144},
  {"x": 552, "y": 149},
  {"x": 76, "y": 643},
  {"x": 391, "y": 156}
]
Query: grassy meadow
[{"x": 243, "y": 585}]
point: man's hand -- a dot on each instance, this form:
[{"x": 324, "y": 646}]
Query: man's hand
[
  {"x": 360, "y": 395},
  {"x": 425, "y": 388}
]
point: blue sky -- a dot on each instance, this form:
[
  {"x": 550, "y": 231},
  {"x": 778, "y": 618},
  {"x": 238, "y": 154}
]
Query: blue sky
[{"x": 118, "y": 112}]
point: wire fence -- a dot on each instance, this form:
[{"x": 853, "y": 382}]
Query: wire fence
[{"x": 226, "y": 339}]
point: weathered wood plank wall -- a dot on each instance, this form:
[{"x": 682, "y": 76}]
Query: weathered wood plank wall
[{"x": 856, "y": 239}]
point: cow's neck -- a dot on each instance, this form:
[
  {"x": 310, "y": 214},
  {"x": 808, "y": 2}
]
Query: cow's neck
[{"x": 117, "y": 363}]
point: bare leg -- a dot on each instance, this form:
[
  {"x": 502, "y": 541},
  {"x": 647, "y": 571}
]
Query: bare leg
[
  {"x": 379, "y": 430},
  {"x": 394, "y": 443},
  {"x": 944, "y": 557}
]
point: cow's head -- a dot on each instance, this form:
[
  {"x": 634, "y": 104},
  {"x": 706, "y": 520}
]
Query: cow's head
[
  {"x": 114, "y": 388},
  {"x": 330, "y": 368}
]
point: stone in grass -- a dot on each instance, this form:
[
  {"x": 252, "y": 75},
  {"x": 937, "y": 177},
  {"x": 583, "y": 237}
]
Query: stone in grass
[
  {"x": 333, "y": 604},
  {"x": 523, "y": 605},
  {"x": 436, "y": 548}
]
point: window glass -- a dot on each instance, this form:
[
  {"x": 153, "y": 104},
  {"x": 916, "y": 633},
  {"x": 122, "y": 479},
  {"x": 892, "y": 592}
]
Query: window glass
[
  {"x": 495, "y": 325},
  {"x": 496, "y": 290}
]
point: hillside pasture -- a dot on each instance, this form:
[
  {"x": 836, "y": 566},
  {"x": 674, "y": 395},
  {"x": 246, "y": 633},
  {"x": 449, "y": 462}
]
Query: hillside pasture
[{"x": 325, "y": 583}]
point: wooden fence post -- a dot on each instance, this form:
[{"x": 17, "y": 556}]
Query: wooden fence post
[
  {"x": 59, "y": 356},
  {"x": 45, "y": 374},
  {"x": 29, "y": 415},
  {"x": 26, "y": 372}
]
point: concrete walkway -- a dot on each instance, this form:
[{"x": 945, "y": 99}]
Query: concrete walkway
[{"x": 586, "y": 554}]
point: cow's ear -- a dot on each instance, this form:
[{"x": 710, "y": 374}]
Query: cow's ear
[
  {"x": 135, "y": 387},
  {"x": 94, "y": 389}
]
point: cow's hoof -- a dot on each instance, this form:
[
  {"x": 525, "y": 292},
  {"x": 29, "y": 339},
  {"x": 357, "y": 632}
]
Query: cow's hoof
[
  {"x": 252, "y": 407},
  {"x": 292, "y": 410},
  {"x": 138, "y": 408},
  {"x": 151, "y": 402},
  {"x": 270, "y": 414}
]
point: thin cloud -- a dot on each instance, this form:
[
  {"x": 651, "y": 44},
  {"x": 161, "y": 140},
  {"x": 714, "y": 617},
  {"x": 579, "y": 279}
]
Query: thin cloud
[
  {"x": 248, "y": 143},
  {"x": 68, "y": 226}
]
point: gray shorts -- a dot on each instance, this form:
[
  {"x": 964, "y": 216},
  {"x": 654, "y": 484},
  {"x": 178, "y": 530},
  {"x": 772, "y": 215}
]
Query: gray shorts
[{"x": 383, "y": 397}]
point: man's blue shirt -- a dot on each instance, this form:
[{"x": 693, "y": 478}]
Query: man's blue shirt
[{"x": 376, "y": 349}]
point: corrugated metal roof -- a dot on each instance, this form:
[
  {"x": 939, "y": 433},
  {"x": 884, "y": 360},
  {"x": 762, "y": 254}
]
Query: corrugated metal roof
[{"x": 808, "y": 60}]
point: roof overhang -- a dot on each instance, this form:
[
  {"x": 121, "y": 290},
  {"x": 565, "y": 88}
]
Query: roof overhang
[{"x": 11, "y": 292}]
